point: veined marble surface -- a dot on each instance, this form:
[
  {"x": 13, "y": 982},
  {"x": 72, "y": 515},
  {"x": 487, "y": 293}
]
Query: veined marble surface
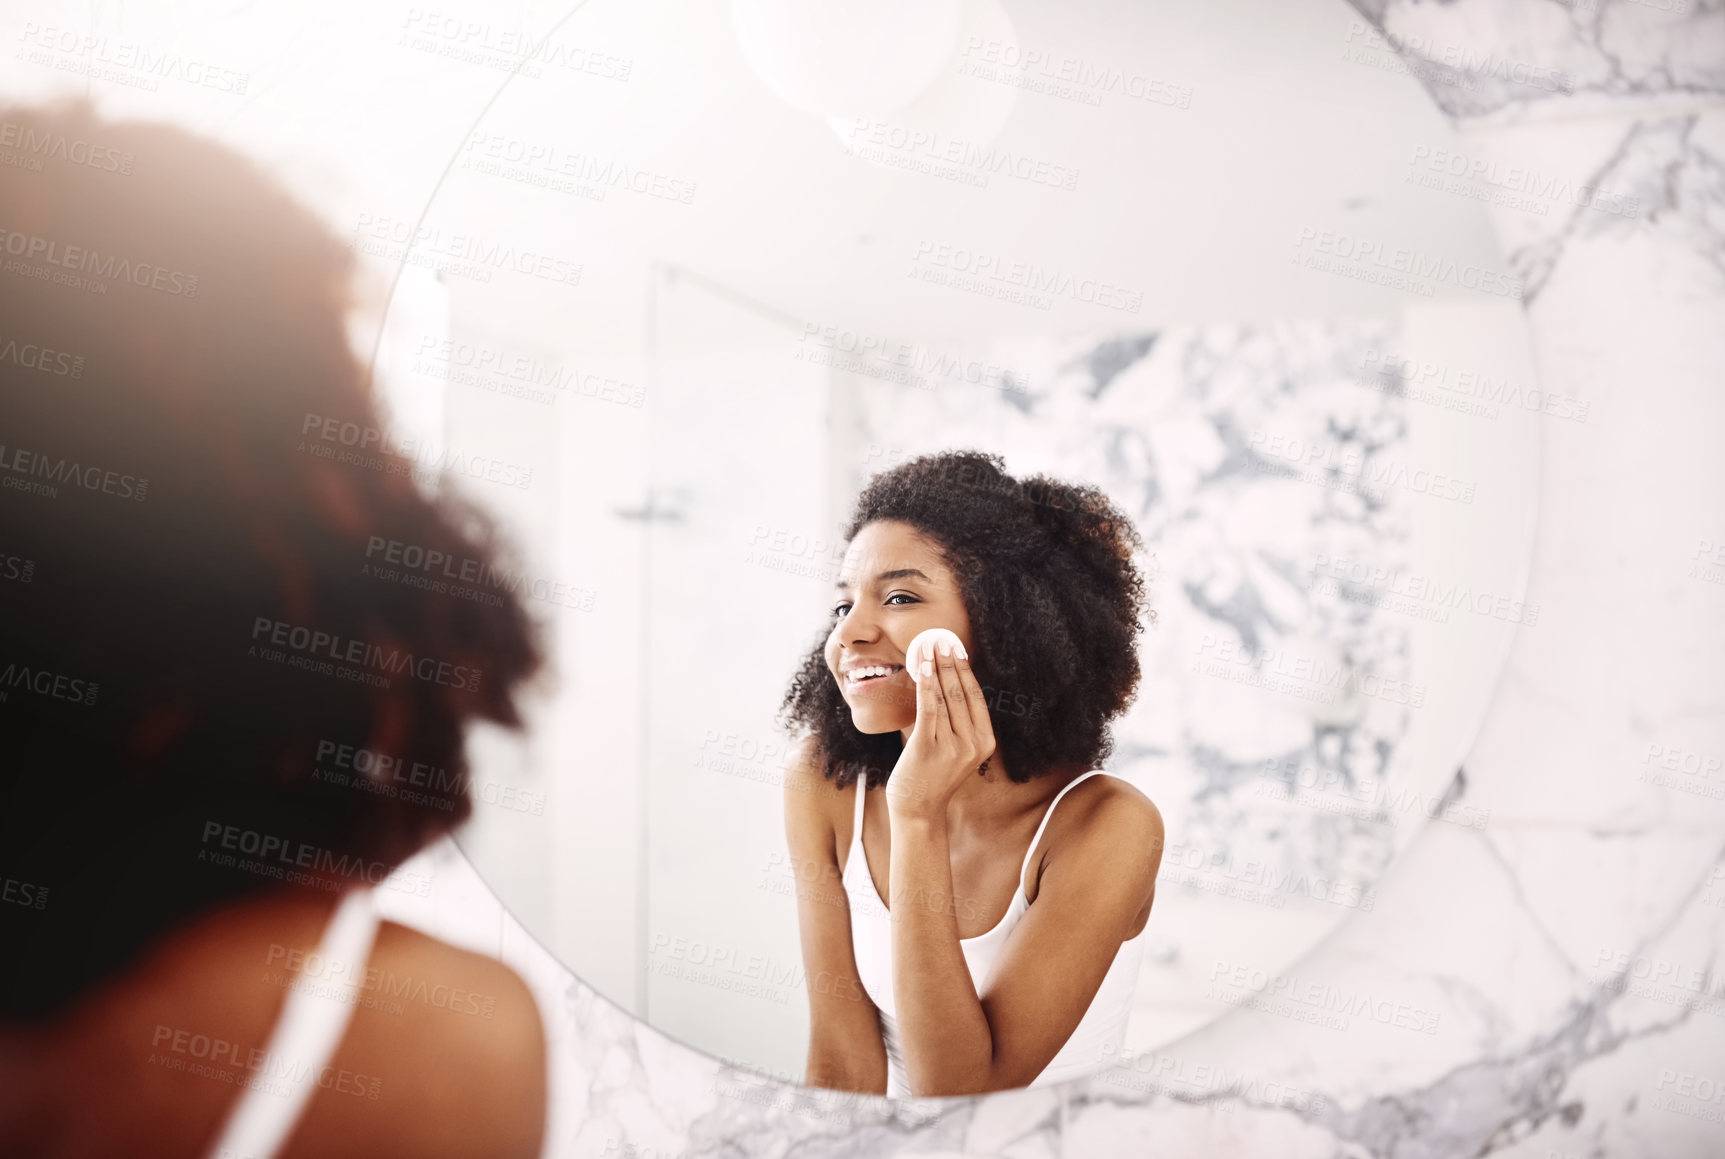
[
  {"x": 1552, "y": 984},
  {"x": 1509, "y": 60}
]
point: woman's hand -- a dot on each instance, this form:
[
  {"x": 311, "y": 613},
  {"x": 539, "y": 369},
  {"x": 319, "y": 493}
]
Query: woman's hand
[{"x": 952, "y": 737}]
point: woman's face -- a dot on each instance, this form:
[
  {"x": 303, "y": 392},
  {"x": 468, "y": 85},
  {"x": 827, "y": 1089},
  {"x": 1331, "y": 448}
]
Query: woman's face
[{"x": 893, "y": 584}]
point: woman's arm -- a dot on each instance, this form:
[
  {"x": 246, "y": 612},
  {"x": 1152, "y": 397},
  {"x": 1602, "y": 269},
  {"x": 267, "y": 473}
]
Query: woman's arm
[
  {"x": 845, "y": 1047},
  {"x": 1092, "y": 890}
]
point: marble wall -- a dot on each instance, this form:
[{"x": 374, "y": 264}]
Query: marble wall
[{"x": 1572, "y": 949}]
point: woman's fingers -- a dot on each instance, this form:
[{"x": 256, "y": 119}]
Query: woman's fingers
[
  {"x": 931, "y": 711},
  {"x": 982, "y": 725},
  {"x": 953, "y": 695}
]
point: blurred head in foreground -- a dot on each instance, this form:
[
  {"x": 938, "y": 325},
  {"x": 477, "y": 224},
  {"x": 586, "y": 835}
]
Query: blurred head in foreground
[{"x": 194, "y": 663}]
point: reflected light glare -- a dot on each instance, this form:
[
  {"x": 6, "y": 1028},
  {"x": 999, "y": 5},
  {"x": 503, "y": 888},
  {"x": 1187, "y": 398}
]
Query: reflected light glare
[
  {"x": 961, "y": 108},
  {"x": 844, "y": 58}
]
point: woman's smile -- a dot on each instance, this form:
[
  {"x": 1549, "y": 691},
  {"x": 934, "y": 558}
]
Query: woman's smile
[{"x": 870, "y": 674}]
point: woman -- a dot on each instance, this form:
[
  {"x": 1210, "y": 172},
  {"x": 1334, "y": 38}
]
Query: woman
[
  {"x": 1009, "y": 951},
  {"x": 212, "y": 706}
]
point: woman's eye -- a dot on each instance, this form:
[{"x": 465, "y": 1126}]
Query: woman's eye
[{"x": 841, "y": 610}]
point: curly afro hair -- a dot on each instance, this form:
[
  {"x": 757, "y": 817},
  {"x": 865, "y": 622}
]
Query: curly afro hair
[
  {"x": 1047, "y": 573},
  {"x": 148, "y": 717}
]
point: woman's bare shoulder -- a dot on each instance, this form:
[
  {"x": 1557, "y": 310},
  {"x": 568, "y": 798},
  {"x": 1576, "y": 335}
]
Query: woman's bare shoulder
[
  {"x": 816, "y": 807},
  {"x": 1103, "y": 817},
  {"x": 444, "y": 1053},
  {"x": 447, "y": 1049},
  {"x": 1114, "y": 800}
]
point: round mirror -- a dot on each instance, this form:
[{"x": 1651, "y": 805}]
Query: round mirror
[{"x": 1218, "y": 262}]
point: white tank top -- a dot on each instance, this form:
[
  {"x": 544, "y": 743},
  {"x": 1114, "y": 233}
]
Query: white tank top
[
  {"x": 1095, "y": 1040},
  {"x": 311, "y": 1027}
]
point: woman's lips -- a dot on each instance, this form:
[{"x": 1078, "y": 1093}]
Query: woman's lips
[{"x": 871, "y": 681}]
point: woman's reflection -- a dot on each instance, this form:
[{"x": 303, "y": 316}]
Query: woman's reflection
[{"x": 1010, "y": 949}]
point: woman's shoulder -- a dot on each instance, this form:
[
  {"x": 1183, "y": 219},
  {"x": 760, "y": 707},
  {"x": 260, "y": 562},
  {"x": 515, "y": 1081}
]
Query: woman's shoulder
[
  {"x": 416, "y": 971},
  {"x": 1113, "y": 800},
  {"x": 1103, "y": 816},
  {"x": 814, "y": 802},
  {"x": 459, "y": 1038},
  {"x": 444, "y": 1053}
]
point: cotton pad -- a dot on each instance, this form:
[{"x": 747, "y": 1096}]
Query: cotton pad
[{"x": 927, "y": 639}]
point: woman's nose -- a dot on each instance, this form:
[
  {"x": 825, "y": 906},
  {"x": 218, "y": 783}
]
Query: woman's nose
[{"x": 860, "y": 627}]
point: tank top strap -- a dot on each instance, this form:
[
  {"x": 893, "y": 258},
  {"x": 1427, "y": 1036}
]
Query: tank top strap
[
  {"x": 312, "y": 1024},
  {"x": 1049, "y": 812},
  {"x": 862, "y": 794}
]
